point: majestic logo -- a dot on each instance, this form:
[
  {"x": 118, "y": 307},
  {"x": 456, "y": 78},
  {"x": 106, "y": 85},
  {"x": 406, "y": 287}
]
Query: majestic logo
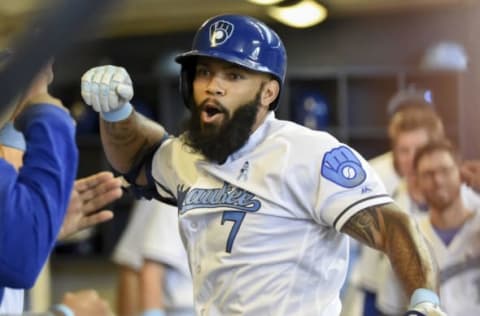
[
  {"x": 342, "y": 167},
  {"x": 220, "y": 32},
  {"x": 228, "y": 197},
  {"x": 366, "y": 189}
]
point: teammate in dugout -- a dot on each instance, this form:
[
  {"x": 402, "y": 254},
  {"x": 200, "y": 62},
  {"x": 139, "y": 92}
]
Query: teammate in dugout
[
  {"x": 40, "y": 201},
  {"x": 451, "y": 228},
  {"x": 265, "y": 205}
]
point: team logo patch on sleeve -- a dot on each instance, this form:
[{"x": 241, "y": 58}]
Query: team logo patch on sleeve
[{"x": 342, "y": 167}]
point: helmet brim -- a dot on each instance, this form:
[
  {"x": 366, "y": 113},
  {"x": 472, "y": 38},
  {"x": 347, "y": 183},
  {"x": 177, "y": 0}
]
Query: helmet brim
[{"x": 190, "y": 57}]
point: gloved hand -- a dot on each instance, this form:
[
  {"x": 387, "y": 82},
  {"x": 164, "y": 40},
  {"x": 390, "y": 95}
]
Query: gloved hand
[
  {"x": 108, "y": 89},
  {"x": 424, "y": 303}
]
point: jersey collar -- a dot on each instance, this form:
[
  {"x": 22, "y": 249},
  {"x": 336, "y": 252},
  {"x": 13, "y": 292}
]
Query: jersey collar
[{"x": 254, "y": 140}]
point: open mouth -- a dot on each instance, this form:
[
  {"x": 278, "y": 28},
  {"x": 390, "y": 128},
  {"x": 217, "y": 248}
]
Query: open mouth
[
  {"x": 211, "y": 110},
  {"x": 211, "y": 113}
]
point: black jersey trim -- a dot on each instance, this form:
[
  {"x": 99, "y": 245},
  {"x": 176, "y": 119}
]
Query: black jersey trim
[
  {"x": 356, "y": 203},
  {"x": 172, "y": 200}
]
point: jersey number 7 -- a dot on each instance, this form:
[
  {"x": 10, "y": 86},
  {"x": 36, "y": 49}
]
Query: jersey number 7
[{"x": 237, "y": 218}]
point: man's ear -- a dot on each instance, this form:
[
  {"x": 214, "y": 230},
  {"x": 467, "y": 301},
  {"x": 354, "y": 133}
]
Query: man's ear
[{"x": 270, "y": 92}]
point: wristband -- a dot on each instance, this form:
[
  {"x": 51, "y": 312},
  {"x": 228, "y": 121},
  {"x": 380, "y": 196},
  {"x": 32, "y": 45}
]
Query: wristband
[
  {"x": 64, "y": 309},
  {"x": 154, "y": 312},
  {"x": 424, "y": 295},
  {"x": 119, "y": 114},
  {"x": 10, "y": 137}
]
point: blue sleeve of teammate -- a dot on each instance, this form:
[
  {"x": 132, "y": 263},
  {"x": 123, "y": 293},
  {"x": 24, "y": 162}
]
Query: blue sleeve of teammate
[{"x": 34, "y": 200}]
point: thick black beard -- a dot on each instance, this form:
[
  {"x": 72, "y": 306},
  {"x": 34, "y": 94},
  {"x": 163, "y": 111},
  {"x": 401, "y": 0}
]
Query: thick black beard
[{"x": 216, "y": 143}]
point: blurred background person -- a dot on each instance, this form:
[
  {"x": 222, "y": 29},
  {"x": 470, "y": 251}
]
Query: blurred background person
[
  {"x": 154, "y": 278},
  {"x": 451, "y": 229},
  {"x": 87, "y": 196},
  {"x": 413, "y": 124},
  {"x": 35, "y": 198}
]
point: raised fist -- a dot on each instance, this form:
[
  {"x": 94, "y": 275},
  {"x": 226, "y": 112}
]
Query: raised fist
[{"x": 106, "y": 88}]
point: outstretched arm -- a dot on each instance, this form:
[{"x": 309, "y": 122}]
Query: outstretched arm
[
  {"x": 393, "y": 232},
  {"x": 124, "y": 141},
  {"x": 34, "y": 200},
  {"x": 126, "y": 134}
]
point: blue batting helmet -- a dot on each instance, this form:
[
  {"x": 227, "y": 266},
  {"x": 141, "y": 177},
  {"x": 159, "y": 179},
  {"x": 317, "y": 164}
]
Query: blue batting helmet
[{"x": 237, "y": 39}]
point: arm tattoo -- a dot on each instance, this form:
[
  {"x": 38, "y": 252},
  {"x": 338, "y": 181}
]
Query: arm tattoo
[
  {"x": 386, "y": 228},
  {"x": 365, "y": 226},
  {"x": 126, "y": 140},
  {"x": 121, "y": 133}
]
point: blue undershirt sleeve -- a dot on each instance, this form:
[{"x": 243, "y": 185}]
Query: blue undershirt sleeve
[{"x": 33, "y": 201}]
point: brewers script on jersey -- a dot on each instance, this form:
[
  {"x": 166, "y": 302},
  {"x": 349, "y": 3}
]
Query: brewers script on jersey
[{"x": 264, "y": 243}]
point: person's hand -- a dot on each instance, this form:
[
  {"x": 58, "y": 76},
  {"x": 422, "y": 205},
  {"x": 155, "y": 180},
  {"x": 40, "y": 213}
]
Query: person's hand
[
  {"x": 86, "y": 303},
  {"x": 88, "y": 195},
  {"x": 106, "y": 88},
  {"x": 470, "y": 172}
]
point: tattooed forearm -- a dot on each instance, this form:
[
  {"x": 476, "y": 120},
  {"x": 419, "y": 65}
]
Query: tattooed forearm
[
  {"x": 125, "y": 141},
  {"x": 136, "y": 130},
  {"x": 366, "y": 226},
  {"x": 120, "y": 133},
  {"x": 391, "y": 231}
]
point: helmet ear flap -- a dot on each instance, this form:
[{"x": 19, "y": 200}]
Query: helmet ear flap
[{"x": 187, "y": 74}]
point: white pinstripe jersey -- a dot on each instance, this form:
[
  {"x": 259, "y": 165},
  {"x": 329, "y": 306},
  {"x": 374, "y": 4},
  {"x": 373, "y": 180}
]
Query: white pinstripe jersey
[{"x": 262, "y": 229}]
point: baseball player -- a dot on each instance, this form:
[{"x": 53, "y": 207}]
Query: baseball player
[
  {"x": 34, "y": 200},
  {"x": 451, "y": 229},
  {"x": 165, "y": 255},
  {"x": 151, "y": 247},
  {"x": 263, "y": 238}
]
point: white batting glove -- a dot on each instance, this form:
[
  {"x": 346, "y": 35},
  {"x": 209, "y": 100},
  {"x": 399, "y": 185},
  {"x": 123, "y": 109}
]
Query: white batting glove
[
  {"x": 108, "y": 89},
  {"x": 424, "y": 303}
]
